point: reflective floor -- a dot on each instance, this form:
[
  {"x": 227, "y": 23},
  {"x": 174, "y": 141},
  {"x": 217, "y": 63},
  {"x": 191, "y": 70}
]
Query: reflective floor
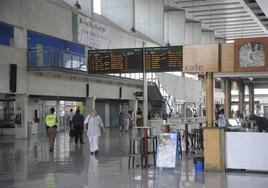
[{"x": 28, "y": 164}]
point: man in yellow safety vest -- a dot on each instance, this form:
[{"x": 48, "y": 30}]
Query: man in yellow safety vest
[{"x": 51, "y": 124}]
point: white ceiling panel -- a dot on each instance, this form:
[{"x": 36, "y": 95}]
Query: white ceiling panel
[{"x": 228, "y": 18}]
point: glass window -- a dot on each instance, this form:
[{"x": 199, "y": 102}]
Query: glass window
[{"x": 7, "y": 114}]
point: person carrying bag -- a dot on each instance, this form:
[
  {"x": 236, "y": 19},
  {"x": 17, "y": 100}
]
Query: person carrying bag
[{"x": 93, "y": 123}]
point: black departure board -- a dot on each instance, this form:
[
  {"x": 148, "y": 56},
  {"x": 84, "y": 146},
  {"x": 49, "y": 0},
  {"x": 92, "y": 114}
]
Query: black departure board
[
  {"x": 115, "y": 61},
  {"x": 130, "y": 60},
  {"x": 164, "y": 59}
]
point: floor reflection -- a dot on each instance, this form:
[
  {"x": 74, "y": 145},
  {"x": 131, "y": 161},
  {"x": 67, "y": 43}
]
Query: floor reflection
[{"x": 27, "y": 163}]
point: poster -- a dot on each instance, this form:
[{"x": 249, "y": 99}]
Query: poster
[
  {"x": 91, "y": 33},
  {"x": 167, "y": 150}
]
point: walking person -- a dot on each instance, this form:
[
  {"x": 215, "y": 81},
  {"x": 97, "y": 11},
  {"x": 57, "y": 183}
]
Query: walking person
[
  {"x": 51, "y": 124},
  {"x": 70, "y": 117},
  {"x": 127, "y": 118},
  {"x": 78, "y": 124},
  {"x": 93, "y": 123},
  {"x": 121, "y": 121}
]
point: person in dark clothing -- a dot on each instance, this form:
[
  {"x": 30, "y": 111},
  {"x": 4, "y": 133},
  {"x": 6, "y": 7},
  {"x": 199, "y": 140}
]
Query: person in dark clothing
[
  {"x": 139, "y": 121},
  {"x": 121, "y": 121},
  {"x": 260, "y": 122},
  {"x": 78, "y": 123},
  {"x": 165, "y": 116}
]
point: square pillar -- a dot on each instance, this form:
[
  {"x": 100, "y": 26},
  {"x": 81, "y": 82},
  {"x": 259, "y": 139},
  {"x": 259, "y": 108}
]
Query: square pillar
[
  {"x": 192, "y": 33},
  {"x": 241, "y": 96},
  {"x": 89, "y": 105},
  {"x": 207, "y": 37},
  {"x": 149, "y": 19},
  {"x": 209, "y": 84},
  {"x": 21, "y": 113},
  {"x": 174, "y": 27},
  {"x": 107, "y": 114},
  {"x": 227, "y": 98},
  {"x": 20, "y": 37},
  {"x": 251, "y": 98}
]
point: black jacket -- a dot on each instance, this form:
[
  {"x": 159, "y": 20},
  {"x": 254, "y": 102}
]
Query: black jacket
[
  {"x": 78, "y": 120},
  {"x": 262, "y": 124}
]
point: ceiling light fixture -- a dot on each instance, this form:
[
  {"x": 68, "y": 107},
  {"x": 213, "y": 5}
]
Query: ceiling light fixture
[
  {"x": 132, "y": 29},
  {"x": 77, "y": 5}
]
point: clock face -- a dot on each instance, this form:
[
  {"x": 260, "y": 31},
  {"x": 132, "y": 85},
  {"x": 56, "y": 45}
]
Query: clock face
[{"x": 251, "y": 55}]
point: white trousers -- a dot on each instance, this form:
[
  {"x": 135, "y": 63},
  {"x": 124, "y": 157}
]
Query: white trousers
[
  {"x": 93, "y": 143},
  {"x": 126, "y": 124}
]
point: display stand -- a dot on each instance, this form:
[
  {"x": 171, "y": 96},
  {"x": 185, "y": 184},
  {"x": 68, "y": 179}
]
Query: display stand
[{"x": 167, "y": 150}]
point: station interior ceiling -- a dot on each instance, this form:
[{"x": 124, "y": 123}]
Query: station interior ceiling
[{"x": 228, "y": 19}]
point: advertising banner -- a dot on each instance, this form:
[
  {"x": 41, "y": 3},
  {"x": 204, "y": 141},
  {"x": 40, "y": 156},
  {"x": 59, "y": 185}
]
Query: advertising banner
[
  {"x": 167, "y": 150},
  {"x": 91, "y": 33}
]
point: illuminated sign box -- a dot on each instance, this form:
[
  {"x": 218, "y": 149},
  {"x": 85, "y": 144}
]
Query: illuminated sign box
[
  {"x": 115, "y": 61},
  {"x": 163, "y": 59},
  {"x": 201, "y": 58},
  {"x": 130, "y": 60}
]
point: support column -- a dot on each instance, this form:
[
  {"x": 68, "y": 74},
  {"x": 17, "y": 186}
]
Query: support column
[
  {"x": 241, "y": 96},
  {"x": 89, "y": 105},
  {"x": 116, "y": 10},
  {"x": 21, "y": 114},
  {"x": 207, "y": 37},
  {"x": 227, "y": 98},
  {"x": 58, "y": 115},
  {"x": 251, "y": 98},
  {"x": 209, "y": 84},
  {"x": 193, "y": 33},
  {"x": 107, "y": 114},
  {"x": 20, "y": 37},
  {"x": 174, "y": 27},
  {"x": 150, "y": 19},
  {"x": 145, "y": 91}
]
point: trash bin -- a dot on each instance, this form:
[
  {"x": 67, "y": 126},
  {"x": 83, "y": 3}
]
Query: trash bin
[{"x": 199, "y": 164}]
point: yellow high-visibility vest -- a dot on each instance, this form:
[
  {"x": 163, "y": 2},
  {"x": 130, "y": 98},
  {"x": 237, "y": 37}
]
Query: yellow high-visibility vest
[
  {"x": 138, "y": 116},
  {"x": 51, "y": 120}
]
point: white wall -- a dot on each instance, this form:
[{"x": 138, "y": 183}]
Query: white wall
[
  {"x": 86, "y": 6},
  {"x": 55, "y": 19},
  {"x": 121, "y": 39},
  {"x": 9, "y": 55},
  {"x": 38, "y": 15},
  {"x": 65, "y": 86},
  {"x": 49, "y": 85},
  {"x": 149, "y": 19},
  {"x": 181, "y": 88},
  {"x": 207, "y": 37},
  {"x": 119, "y": 12},
  {"x": 192, "y": 33},
  {"x": 174, "y": 27}
]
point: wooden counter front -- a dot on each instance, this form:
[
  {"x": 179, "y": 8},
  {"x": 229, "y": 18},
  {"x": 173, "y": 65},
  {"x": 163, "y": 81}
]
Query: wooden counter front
[{"x": 214, "y": 149}]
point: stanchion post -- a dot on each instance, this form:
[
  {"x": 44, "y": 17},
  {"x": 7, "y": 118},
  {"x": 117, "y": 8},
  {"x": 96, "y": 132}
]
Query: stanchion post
[{"x": 186, "y": 139}]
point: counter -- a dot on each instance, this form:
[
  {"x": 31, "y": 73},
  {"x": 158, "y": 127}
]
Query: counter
[{"x": 246, "y": 150}]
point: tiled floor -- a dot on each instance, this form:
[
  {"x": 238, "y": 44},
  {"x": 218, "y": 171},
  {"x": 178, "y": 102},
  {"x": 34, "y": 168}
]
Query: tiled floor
[{"x": 28, "y": 164}]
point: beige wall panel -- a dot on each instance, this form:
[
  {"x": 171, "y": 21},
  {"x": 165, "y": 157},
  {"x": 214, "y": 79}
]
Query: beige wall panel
[
  {"x": 227, "y": 57},
  {"x": 201, "y": 58},
  {"x": 214, "y": 149}
]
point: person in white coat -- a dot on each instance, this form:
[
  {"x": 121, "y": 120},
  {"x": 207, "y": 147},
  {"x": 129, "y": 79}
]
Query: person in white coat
[{"x": 93, "y": 123}]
